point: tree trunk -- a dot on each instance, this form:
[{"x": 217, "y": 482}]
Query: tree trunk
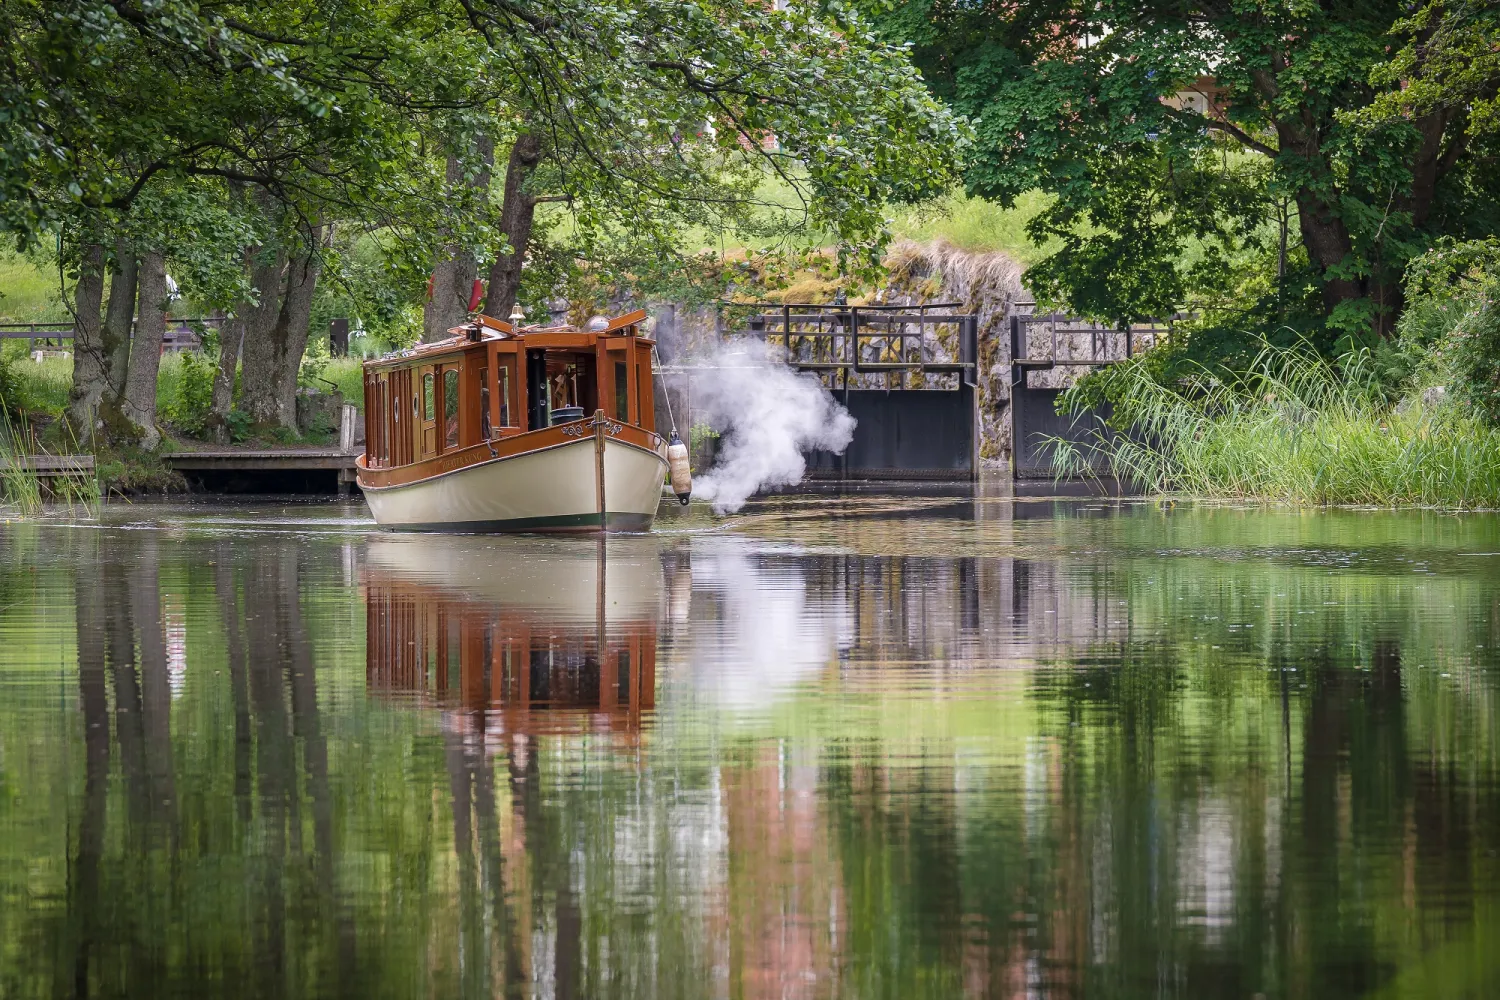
[
  {"x": 517, "y": 212},
  {"x": 89, "y": 360},
  {"x": 252, "y": 322},
  {"x": 231, "y": 338},
  {"x": 138, "y": 403},
  {"x": 117, "y": 321},
  {"x": 1328, "y": 244},
  {"x": 454, "y": 273},
  {"x": 269, "y": 384}
]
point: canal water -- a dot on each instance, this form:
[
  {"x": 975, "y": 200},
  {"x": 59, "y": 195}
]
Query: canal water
[{"x": 840, "y": 745}]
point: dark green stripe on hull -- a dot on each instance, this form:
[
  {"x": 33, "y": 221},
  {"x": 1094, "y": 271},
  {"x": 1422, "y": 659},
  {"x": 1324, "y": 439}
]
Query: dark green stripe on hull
[{"x": 555, "y": 522}]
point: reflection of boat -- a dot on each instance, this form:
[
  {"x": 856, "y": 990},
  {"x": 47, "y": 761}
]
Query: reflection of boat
[
  {"x": 551, "y": 577},
  {"x": 502, "y": 428},
  {"x": 516, "y": 625}
]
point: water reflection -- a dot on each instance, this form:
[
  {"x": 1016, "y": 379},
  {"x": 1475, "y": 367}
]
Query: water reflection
[
  {"x": 565, "y": 625},
  {"x": 1105, "y": 753}
]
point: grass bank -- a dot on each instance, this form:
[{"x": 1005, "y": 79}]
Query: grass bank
[
  {"x": 28, "y": 291},
  {"x": 34, "y": 396},
  {"x": 1295, "y": 428}
]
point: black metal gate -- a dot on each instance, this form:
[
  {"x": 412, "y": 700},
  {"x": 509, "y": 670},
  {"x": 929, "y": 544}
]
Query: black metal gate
[
  {"x": 906, "y": 374},
  {"x": 1048, "y": 342}
]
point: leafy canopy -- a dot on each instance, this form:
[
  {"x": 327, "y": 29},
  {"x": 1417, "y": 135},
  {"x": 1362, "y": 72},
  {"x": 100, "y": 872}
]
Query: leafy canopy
[
  {"x": 651, "y": 110},
  {"x": 1081, "y": 101}
]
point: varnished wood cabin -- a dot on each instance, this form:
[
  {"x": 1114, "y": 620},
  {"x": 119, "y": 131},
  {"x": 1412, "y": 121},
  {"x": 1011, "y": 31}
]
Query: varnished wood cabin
[
  {"x": 506, "y": 429},
  {"x": 438, "y": 406}
]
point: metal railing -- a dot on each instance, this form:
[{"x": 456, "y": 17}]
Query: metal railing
[
  {"x": 1062, "y": 334},
  {"x": 181, "y": 334},
  {"x": 836, "y": 340}
]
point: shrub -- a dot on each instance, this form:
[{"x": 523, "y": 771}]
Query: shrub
[
  {"x": 185, "y": 390},
  {"x": 7, "y": 388},
  {"x": 240, "y": 425},
  {"x": 1451, "y": 327}
]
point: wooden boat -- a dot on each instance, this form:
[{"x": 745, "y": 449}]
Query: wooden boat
[{"x": 506, "y": 428}]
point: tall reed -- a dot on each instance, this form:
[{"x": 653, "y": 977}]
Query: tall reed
[
  {"x": 1293, "y": 429},
  {"x": 20, "y": 487}
]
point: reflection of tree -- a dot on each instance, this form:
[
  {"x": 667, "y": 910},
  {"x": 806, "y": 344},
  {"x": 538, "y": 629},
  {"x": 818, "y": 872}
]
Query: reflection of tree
[
  {"x": 492, "y": 957},
  {"x": 1250, "y": 808},
  {"x": 164, "y": 896},
  {"x": 83, "y": 881},
  {"x": 1167, "y": 805}
]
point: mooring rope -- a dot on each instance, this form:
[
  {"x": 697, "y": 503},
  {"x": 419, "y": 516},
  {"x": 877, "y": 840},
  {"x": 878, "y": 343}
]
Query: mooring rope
[{"x": 656, "y": 362}]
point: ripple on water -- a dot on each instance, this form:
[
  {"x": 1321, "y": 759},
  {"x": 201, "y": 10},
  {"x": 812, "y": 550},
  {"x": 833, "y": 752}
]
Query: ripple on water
[{"x": 877, "y": 742}]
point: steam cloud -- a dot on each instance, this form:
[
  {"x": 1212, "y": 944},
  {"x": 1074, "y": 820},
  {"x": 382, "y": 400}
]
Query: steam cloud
[{"x": 768, "y": 416}]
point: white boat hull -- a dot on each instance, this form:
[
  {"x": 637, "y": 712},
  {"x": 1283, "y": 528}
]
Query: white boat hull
[{"x": 549, "y": 489}]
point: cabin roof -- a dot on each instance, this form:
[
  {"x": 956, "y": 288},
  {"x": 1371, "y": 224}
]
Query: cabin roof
[{"x": 490, "y": 329}]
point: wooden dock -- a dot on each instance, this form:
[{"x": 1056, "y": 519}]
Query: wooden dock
[
  {"x": 48, "y": 466},
  {"x": 244, "y": 461},
  {"x": 228, "y": 469}
]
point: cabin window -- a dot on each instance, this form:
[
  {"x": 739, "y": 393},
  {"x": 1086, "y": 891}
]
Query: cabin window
[
  {"x": 484, "y": 403},
  {"x": 429, "y": 405},
  {"x": 503, "y": 387},
  {"x": 622, "y": 391},
  {"x": 645, "y": 401},
  {"x": 450, "y": 408},
  {"x": 377, "y": 426}
]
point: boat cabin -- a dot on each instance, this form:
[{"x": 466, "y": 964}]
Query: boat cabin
[{"x": 492, "y": 381}]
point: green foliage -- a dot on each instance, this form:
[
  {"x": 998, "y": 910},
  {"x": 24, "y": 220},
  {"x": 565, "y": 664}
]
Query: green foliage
[
  {"x": 700, "y": 435},
  {"x": 349, "y": 375},
  {"x": 1450, "y": 333},
  {"x": 19, "y": 487},
  {"x": 7, "y": 388},
  {"x": 240, "y": 424},
  {"x": 363, "y": 281},
  {"x": 310, "y": 371},
  {"x": 185, "y": 389},
  {"x": 1293, "y": 428},
  {"x": 35, "y": 387},
  {"x": 1450, "y": 64},
  {"x": 1294, "y": 107},
  {"x": 131, "y": 472},
  {"x": 28, "y": 293},
  {"x": 24, "y": 490}
]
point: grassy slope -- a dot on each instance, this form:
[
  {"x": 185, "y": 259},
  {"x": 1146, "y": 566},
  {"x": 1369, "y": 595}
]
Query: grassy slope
[
  {"x": 975, "y": 224},
  {"x": 968, "y": 223},
  {"x": 28, "y": 291}
]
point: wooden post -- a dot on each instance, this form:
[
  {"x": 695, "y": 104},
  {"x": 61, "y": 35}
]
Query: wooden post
[
  {"x": 347, "y": 415},
  {"x": 599, "y": 421}
]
